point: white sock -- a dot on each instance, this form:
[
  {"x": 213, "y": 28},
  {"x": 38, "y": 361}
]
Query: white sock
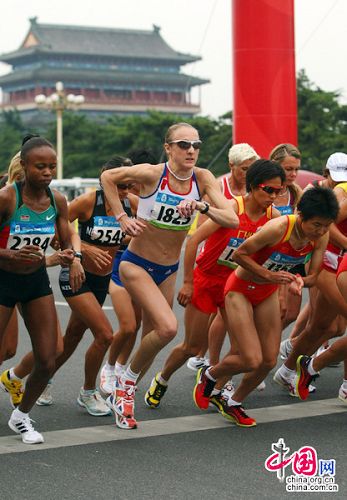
[
  {"x": 12, "y": 375},
  {"x": 215, "y": 392},
  {"x": 208, "y": 375},
  {"x": 310, "y": 368},
  {"x": 87, "y": 392},
  {"x": 162, "y": 381},
  {"x": 119, "y": 369},
  {"x": 130, "y": 375},
  {"x": 19, "y": 415},
  {"x": 344, "y": 385},
  {"x": 109, "y": 368},
  {"x": 287, "y": 372},
  {"x": 232, "y": 402}
]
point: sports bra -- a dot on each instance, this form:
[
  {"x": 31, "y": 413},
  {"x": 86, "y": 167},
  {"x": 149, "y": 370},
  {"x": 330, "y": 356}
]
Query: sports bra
[{"x": 159, "y": 208}]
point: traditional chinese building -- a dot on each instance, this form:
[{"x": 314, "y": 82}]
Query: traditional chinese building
[{"x": 117, "y": 70}]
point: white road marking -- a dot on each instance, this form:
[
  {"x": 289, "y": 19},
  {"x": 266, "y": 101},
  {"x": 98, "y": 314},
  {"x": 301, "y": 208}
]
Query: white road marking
[{"x": 168, "y": 426}]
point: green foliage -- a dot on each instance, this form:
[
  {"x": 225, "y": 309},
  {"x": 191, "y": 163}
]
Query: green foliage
[
  {"x": 88, "y": 143},
  {"x": 322, "y": 123}
]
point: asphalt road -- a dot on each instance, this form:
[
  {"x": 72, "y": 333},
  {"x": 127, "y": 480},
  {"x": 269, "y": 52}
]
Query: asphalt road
[{"x": 177, "y": 452}]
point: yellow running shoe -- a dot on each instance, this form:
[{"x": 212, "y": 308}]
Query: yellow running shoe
[
  {"x": 13, "y": 387},
  {"x": 155, "y": 392}
]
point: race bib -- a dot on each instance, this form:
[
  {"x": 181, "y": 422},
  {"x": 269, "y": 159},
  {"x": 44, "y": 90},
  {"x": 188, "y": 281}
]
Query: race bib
[
  {"x": 281, "y": 262},
  {"x": 28, "y": 233},
  {"x": 106, "y": 230},
  {"x": 165, "y": 215},
  {"x": 226, "y": 257}
]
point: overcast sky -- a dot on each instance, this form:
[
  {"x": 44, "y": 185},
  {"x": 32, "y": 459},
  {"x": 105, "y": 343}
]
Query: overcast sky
[{"x": 201, "y": 27}]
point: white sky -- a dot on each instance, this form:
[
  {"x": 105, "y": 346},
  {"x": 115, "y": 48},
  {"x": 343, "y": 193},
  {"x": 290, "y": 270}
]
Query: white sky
[{"x": 200, "y": 27}]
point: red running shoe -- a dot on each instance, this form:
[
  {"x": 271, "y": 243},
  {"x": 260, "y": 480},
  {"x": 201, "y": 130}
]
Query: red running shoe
[
  {"x": 203, "y": 389},
  {"x": 303, "y": 378},
  {"x": 234, "y": 413}
]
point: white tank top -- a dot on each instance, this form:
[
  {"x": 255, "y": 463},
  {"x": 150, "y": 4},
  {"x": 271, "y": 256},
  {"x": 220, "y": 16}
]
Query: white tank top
[{"x": 159, "y": 208}]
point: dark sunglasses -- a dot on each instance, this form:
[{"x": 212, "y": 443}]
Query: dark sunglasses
[
  {"x": 269, "y": 189},
  {"x": 182, "y": 144},
  {"x": 125, "y": 186}
]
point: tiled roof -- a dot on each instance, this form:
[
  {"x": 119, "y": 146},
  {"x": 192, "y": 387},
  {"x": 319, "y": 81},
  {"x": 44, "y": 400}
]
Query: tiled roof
[
  {"x": 178, "y": 80},
  {"x": 129, "y": 43}
]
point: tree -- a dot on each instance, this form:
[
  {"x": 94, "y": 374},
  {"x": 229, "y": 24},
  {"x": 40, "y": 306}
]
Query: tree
[{"x": 322, "y": 123}]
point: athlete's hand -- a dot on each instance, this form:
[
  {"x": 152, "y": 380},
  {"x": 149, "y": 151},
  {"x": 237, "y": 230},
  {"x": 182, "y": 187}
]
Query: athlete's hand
[
  {"x": 53, "y": 260},
  {"x": 76, "y": 275},
  {"x": 186, "y": 208},
  {"x": 296, "y": 285},
  {"x": 66, "y": 257},
  {"x": 281, "y": 277},
  {"x": 97, "y": 255},
  {"x": 184, "y": 296},
  {"x": 131, "y": 226},
  {"x": 29, "y": 254}
]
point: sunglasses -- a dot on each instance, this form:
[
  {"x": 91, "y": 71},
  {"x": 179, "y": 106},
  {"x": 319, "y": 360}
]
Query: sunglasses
[
  {"x": 125, "y": 186},
  {"x": 182, "y": 144},
  {"x": 270, "y": 189}
]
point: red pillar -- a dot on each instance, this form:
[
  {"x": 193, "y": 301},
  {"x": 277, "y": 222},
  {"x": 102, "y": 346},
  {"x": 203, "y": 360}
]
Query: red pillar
[{"x": 265, "y": 106}]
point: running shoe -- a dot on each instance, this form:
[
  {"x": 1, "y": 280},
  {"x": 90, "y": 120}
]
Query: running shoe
[
  {"x": 122, "y": 403},
  {"x": 203, "y": 389},
  {"x": 261, "y": 386},
  {"x": 155, "y": 392},
  {"x": 285, "y": 349},
  {"x": 46, "y": 398},
  {"x": 121, "y": 422},
  {"x": 24, "y": 427},
  {"x": 195, "y": 363},
  {"x": 342, "y": 395},
  {"x": 228, "y": 390},
  {"x": 303, "y": 377},
  {"x": 107, "y": 380},
  {"x": 233, "y": 413},
  {"x": 285, "y": 382},
  {"x": 13, "y": 387},
  {"x": 93, "y": 403}
]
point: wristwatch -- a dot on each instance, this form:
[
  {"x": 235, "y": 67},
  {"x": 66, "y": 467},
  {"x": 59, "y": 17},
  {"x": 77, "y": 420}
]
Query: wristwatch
[
  {"x": 206, "y": 208},
  {"x": 78, "y": 255}
]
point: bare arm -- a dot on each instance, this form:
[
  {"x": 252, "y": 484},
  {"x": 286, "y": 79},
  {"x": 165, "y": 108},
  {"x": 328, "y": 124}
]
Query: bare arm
[
  {"x": 268, "y": 236},
  {"x": 316, "y": 261},
  {"x": 201, "y": 234},
  {"x": 144, "y": 174}
]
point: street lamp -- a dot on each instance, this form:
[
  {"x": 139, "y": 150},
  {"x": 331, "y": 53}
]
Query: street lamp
[{"x": 58, "y": 102}]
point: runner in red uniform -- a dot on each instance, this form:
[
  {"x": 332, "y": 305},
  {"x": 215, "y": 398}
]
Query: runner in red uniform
[{"x": 251, "y": 301}]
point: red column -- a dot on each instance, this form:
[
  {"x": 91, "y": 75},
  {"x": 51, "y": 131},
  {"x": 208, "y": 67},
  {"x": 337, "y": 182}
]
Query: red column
[{"x": 265, "y": 106}]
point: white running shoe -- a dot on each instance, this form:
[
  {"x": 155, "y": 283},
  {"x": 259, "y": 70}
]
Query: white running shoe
[
  {"x": 107, "y": 380},
  {"x": 228, "y": 390},
  {"x": 285, "y": 382},
  {"x": 285, "y": 348},
  {"x": 46, "y": 398},
  {"x": 93, "y": 403},
  {"x": 25, "y": 428},
  {"x": 195, "y": 363},
  {"x": 261, "y": 386},
  {"x": 342, "y": 395}
]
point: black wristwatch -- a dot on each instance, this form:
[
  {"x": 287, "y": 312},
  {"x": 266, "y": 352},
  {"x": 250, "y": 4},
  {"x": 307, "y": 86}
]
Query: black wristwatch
[
  {"x": 78, "y": 255},
  {"x": 206, "y": 208}
]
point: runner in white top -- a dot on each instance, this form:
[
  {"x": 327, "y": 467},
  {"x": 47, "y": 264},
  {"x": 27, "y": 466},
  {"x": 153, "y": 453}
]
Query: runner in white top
[{"x": 169, "y": 195}]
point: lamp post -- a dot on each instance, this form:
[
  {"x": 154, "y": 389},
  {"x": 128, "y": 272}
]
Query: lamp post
[{"x": 58, "y": 102}]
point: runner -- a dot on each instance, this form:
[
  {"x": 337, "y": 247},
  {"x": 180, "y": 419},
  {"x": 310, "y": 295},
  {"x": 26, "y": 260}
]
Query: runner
[
  {"x": 203, "y": 290},
  {"x": 329, "y": 302},
  {"x": 333, "y": 170},
  {"x": 169, "y": 197},
  {"x": 289, "y": 157},
  {"x": 240, "y": 157},
  {"x": 101, "y": 236},
  {"x": 251, "y": 301},
  {"x": 308, "y": 368},
  {"x": 29, "y": 212},
  {"x": 128, "y": 313}
]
